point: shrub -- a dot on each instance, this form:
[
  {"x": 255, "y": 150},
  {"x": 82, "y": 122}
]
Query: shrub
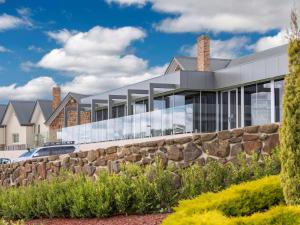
[
  {"x": 238, "y": 200},
  {"x": 280, "y": 215},
  {"x": 134, "y": 190},
  {"x": 290, "y": 129}
]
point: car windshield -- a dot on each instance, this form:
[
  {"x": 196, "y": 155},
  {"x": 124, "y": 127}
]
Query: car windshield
[{"x": 26, "y": 154}]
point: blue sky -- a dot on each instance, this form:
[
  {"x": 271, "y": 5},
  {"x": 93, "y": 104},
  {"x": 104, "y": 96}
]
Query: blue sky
[{"x": 91, "y": 46}]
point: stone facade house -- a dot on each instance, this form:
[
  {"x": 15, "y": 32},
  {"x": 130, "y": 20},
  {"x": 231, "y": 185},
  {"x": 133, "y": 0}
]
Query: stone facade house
[{"x": 67, "y": 113}]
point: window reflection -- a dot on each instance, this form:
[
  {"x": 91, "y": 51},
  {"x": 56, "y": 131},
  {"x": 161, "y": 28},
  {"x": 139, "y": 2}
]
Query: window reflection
[{"x": 279, "y": 91}]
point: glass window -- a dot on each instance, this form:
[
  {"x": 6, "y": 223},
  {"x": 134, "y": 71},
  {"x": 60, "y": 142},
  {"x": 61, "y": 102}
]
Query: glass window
[
  {"x": 224, "y": 110},
  {"x": 208, "y": 111},
  {"x": 43, "y": 152},
  {"x": 250, "y": 104},
  {"x": 239, "y": 108},
  {"x": 263, "y": 104},
  {"x": 15, "y": 138},
  {"x": 62, "y": 150},
  {"x": 159, "y": 103},
  {"x": 233, "y": 109},
  {"x": 279, "y": 91}
]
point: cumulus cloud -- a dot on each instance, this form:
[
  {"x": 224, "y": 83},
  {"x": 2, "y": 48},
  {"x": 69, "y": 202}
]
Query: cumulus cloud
[
  {"x": 36, "y": 88},
  {"x": 98, "y": 59},
  {"x": 217, "y": 16},
  {"x": 230, "y": 48},
  {"x": 267, "y": 42},
  {"x": 2, "y": 1}
]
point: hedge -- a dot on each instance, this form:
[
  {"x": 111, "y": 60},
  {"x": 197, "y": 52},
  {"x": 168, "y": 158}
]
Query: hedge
[{"x": 134, "y": 190}]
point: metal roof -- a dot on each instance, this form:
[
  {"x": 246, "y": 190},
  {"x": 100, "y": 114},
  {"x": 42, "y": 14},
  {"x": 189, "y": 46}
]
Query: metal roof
[
  {"x": 2, "y": 112},
  {"x": 23, "y": 110},
  {"x": 46, "y": 107},
  {"x": 190, "y": 63}
]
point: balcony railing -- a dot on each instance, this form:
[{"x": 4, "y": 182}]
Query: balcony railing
[{"x": 150, "y": 124}]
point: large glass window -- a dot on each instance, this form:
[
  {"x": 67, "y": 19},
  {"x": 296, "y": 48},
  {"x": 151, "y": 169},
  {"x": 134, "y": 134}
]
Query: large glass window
[
  {"x": 208, "y": 111},
  {"x": 257, "y": 100},
  {"x": 101, "y": 114},
  {"x": 250, "y": 103},
  {"x": 224, "y": 110},
  {"x": 118, "y": 111},
  {"x": 279, "y": 91}
]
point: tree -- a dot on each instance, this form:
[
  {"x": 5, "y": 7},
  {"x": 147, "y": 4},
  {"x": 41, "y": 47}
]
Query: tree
[{"x": 290, "y": 129}]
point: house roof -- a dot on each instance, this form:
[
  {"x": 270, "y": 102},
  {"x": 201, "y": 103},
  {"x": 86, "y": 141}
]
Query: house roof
[
  {"x": 2, "y": 112},
  {"x": 64, "y": 102},
  {"x": 46, "y": 107},
  {"x": 190, "y": 63},
  {"x": 23, "y": 110}
]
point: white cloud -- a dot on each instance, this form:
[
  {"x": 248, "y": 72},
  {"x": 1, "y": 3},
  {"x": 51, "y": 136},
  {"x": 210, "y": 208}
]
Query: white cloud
[
  {"x": 27, "y": 66},
  {"x": 9, "y": 22},
  {"x": 128, "y": 2},
  {"x": 3, "y": 49},
  {"x": 98, "y": 59},
  {"x": 217, "y": 16},
  {"x": 2, "y": 1},
  {"x": 34, "y": 89},
  {"x": 35, "y": 49},
  {"x": 270, "y": 41},
  {"x": 230, "y": 48}
]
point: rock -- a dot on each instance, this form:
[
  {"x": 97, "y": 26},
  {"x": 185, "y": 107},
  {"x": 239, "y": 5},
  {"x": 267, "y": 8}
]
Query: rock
[
  {"x": 146, "y": 161},
  {"x": 41, "y": 170},
  {"x": 271, "y": 143},
  {"x": 252, "y": 146},
  {"x": 250, "y": 137},
  {"x": 81, "y": 154},
  {"x": 269, "y": 128},
  {"x": 196, "y": 137},
  {"x": 251, "y": 129},
  {"x": 148, "y": 144},
  {"x": 28, "y": 168},
  {"x": 73, "y": 155},
  {"x": 113, "y": 156},
  {"x": 176, "y": 180},
  {"x": 224, "y": 135},
  {"x": 100, "y": 152},
  {"x": 16, "y": 174},
  {"x": 135, "y": 149},
  {"x": 224, "y": 149},
  {"x": 235, "y": 139},
  {"x": 89, "y": 170},
  {"x": 100, "y": 162},
  {"x": 191, "y": 152},
  {"x": 182, "y": 140},
  {"x": 162, "y": 157},
  {"x": 174, "y": 153},
  {"x": 78, "y": 169},
  {"x": 263, "y": 136},
  {"x": 152, "y": 150},
  {"x": 133, "y": 158},
  {"x": 237, "y": 132},
  {"x": 91, "y": 156},
  {"x": 169, "y": 142},
  {"x": 65, "y": 162},
  {"x": 236, "y": 150},
  {"x": 208, "y": 136},
  {"x": 201, "y": 161},
  {"x": 211, "y": 148},
  {"x": 111, "y": 150}
]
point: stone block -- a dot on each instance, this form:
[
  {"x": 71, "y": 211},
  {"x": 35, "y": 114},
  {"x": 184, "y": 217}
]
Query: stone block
[
  {"x": 174, "y": 153},
  {"x": 236, "y": 149},
  {"x": 251, "y": 147},
  {"x": 91, "y": 156},
  {"x": 208, "y": 136},
  {"x": 251, "y": 129},
  {"x": 224, "y": 135},
  {"x": 111, "y": 150},
  {"x": 269, "y": 128},
  {"x": 271, "y": 142},
  {"x": 191, "y": 152},
  {"x": 250, "y": 137}
]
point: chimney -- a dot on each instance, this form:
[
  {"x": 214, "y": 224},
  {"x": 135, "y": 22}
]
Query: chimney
[
  {"x": 56, "y": 97},
  {"x": 203, "y": 53}
]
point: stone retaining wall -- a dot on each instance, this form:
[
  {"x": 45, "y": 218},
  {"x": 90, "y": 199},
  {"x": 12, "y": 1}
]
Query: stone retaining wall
[{"x": 181, "y": 152}]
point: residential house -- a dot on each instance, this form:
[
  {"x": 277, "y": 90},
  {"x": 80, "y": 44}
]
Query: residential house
[
  {"x": 2, "y": 130},
  {"x": 195, "y": 94}
]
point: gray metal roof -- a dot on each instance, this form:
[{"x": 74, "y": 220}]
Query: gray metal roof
[
  {"x": 190, "y": 63},
  {"x": 77, "y": 96},
  {"x": 2, "y": 112},
  {"x": 23, "y": 110},
  {"x": 46, "y": 107}
]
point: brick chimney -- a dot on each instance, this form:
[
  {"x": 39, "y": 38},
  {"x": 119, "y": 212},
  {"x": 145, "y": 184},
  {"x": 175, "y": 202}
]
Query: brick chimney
[
  {"x": 203, "y": 53},
  {"x": 56, "y": 97}
]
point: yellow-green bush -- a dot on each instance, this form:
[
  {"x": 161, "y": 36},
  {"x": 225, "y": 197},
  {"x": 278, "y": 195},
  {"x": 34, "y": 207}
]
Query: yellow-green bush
[
  {"x": 239, "y": 200},
  {"x": 280, "y": 215}
]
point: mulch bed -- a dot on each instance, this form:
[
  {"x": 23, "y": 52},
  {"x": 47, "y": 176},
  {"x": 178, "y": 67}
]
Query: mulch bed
[{"x": 152, "y": 219}]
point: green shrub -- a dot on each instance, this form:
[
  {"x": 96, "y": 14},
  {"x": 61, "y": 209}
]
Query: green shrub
[
  {"x": 238, "y": 200},
  {"x": 133, "y": 190},
  {"x": 290, "y": 129}
]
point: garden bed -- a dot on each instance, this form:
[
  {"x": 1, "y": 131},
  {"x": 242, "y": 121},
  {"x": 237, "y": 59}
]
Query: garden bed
[{"x": 151, "y": 219}]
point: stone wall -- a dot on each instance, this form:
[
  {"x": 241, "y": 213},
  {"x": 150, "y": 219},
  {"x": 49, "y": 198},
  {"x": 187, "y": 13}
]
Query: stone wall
[{"x": 181, "y": 152}]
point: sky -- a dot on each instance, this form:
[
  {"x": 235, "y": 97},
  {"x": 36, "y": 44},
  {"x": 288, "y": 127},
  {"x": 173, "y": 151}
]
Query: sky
[{"x": 95, "y": 45}]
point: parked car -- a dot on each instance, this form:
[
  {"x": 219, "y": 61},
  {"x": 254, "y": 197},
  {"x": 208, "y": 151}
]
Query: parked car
[
  {"x": 48, "y": 150},
  {"x": 5, "y": 161}
]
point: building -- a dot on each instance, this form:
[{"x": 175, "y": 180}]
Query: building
[
  {"x": 200, "y": 94},
  {"x": 2, "y": 130}
]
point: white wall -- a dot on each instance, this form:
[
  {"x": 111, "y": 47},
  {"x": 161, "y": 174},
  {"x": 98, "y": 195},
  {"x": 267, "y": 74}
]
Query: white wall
[
  {"x": 13, "y": 127},
  {"x": 2, "y": 135},
  {"x": 40, "y": 121}
]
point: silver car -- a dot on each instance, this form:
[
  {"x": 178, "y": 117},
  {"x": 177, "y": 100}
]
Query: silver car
[{"x": 47, "y": 151}]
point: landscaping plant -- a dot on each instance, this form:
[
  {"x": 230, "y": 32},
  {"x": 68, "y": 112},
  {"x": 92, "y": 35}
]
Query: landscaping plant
[{"x": 290, "y": 129}]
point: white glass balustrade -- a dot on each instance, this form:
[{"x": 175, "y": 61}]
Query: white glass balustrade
[{"x": 169, "y": 121}]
